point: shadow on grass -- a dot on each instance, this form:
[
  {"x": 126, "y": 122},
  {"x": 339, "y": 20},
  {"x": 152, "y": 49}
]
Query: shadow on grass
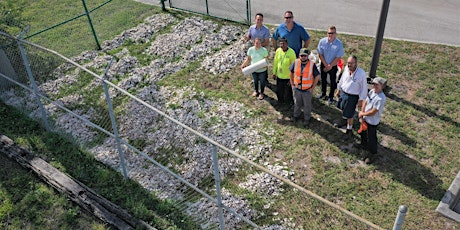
[
  {"x": 425, "y": 110},
  {"x": 402, "y": 168},
  {"x": 409, "y": 172}
]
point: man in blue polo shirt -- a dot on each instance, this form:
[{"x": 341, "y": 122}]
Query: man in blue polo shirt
[
  {"x": 294, "y": 33},
  {"x": 330, "y": 50},
  {"x": 259, "y": 30}
]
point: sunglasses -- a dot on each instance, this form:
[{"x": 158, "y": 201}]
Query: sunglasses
[
  {"x": 288, "y": 17},
  {"x": 330, "y": 32},
  {"x": 303, "y": 55}
]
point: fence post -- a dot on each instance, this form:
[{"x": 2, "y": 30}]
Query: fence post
[
  {"x": 114, "y": 122},
  {"x": 215, "y": 163},
  {"x": 207, "y": 8},
  {"x": 91, "y": 25},
  {"x": 400, "y": 217},
  {"x": 32, "y": 82},
  {"x": 248, "y": 11},
  {"x": 163, "y": 8}
]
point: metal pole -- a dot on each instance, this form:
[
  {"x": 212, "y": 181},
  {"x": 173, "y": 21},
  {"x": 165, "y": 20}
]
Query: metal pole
[
  {"x": 218, "y": 192},
  {"x": 114, "y": 122},
  {"x": 207, "y": 8},
  {"x": 32, "y": 81},
  {"x": 400, "y": 217},
  {"x": 91, "y": 25},
  {"x": 248, "y": 11},
  {"x": 379, "y": 38}
]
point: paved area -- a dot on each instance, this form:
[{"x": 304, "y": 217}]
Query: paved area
[{"x": 423, "y": 21}]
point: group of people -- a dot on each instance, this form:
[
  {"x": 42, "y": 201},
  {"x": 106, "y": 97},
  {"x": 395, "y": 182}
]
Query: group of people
[{"x": 297, "y": 75}]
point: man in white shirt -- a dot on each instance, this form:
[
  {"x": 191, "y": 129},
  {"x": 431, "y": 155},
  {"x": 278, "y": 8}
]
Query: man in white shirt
[{"x": 352, "y": 89}]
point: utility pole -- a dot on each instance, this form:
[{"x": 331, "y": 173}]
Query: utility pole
[{"x": 379, "y": 39}]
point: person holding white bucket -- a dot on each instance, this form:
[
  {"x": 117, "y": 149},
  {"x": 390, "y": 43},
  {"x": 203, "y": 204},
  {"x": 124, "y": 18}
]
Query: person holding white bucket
[{"x": 255, "y": 54}]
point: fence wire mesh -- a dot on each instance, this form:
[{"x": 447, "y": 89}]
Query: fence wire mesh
[
  {"x": 234, "y": 10},
  {"x": 162, "y": 150},
  {"x": 168, "y": 151}
]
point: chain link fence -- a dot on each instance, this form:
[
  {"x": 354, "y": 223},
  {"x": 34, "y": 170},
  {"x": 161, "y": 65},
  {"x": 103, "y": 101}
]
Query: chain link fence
[
  {"x": 164, "y": 137},
  {"x": 233, "y": 10},
  {"x": 148, "y": 138}
]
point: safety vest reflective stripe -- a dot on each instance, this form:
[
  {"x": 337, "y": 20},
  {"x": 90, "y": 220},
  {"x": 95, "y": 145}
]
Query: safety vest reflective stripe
[{"x": 305, "y": 77}]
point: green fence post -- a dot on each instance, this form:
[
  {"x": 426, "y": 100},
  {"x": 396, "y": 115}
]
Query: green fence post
[
  {"x": 163, "y": 8},
  {"x": 248, "y": 11},
  {"x": 91, "y": 25}
]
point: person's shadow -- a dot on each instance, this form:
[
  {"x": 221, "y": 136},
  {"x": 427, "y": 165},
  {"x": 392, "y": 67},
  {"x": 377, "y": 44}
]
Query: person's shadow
[{"x": 402, "y": 168}]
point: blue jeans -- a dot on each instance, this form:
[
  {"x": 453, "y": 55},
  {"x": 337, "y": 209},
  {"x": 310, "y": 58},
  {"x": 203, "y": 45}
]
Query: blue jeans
[{"x": 262, "y": 77}]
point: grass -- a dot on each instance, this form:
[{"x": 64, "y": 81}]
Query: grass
[
  {"x": 27, "y": 202},
  {"x": 109, "y": 20},
  {"x": 418, "y": 134}
]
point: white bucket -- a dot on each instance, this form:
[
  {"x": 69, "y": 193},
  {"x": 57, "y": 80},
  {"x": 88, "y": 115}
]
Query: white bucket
[{"x": 258, "y": 65}]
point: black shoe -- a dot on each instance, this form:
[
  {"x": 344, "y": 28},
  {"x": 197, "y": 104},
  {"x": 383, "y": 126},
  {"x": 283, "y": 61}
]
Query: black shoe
[
  {"x": 349, "y": 134},
  {"x": 340, "y": 124},
  {"x": 370, "y": 158},
  {"x": 306, "y": 124},
  {"x": 359, "y": 146},
  {"x": 322, "y": 96},
  {"x": 368, "y": 161},
  {"x": 294, "y": 119}
]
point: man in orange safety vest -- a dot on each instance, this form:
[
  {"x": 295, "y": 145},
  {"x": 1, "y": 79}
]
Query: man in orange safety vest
[{"x": 304, "y": 77}]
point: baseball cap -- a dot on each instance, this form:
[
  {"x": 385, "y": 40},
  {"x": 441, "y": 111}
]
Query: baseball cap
[
  {"x": 304, "y": 51},
  {"x": 379, "y": 80}
]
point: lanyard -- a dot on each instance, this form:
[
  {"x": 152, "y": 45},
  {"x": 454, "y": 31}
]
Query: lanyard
[{"x": 282, "y": 60}]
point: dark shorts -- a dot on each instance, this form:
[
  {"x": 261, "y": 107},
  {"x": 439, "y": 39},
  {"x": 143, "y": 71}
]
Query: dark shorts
[{"x": 348, "y": 104}]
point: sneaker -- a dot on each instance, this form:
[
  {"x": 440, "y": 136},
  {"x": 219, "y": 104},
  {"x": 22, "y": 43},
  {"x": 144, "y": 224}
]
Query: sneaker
[
  {"x": 255, "y": 94},
  {"x": 322, "y": 96},
  {"x": 330, "y": 102},
  {"x": 368, "y": 160},
  {"x": 261, "y": 96},
  {"x": 359, "y": 146},
  {"x": 340, "y": 124},
  {"x": 306, "y": 124},
  {"x": 294, "y": 119},
  {"x": 349, "y": 134}
]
